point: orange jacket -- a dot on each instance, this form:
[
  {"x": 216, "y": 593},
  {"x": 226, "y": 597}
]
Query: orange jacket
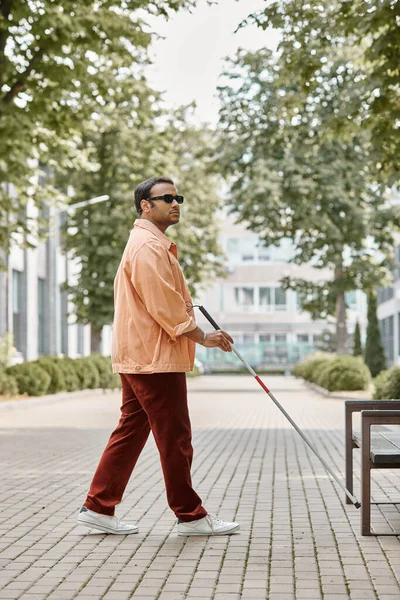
[{"x": 150, "y": 295}]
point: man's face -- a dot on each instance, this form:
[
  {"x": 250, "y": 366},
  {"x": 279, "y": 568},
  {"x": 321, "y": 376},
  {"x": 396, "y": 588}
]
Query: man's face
[{"x": 161, "y": 213}]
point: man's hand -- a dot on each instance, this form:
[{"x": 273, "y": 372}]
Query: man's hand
[{"x": 219, "y": 339}]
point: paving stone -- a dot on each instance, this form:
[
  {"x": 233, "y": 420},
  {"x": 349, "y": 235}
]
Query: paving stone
[{"x": 249, "y": 464}]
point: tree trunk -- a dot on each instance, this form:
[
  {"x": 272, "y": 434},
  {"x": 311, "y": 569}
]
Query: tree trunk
[
  {"x": 341, "y": 325},
  {"x": 95, "y": 339}
]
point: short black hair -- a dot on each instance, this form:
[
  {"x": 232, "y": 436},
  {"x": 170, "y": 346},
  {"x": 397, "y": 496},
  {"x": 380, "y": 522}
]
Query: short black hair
[{"x": 142, "y": 192}]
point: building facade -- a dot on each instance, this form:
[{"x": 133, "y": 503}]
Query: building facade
[
  {"x": 34, "y": 303},
  {"x": 262, "y": 317}
]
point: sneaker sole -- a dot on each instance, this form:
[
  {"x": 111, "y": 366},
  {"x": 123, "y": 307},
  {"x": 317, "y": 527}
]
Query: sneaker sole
[
  {"x": 195, "y": 534},
  {"x": 104, "y": 529}
]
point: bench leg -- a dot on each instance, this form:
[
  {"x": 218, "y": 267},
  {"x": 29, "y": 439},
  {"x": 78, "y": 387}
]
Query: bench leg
[
  {"x": 349, "y": 454},
  {"x": 366, "y": 479}
]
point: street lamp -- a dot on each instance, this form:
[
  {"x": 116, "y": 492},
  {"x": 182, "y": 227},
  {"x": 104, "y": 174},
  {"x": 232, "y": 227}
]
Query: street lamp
[{"x": 68, "y": 210}]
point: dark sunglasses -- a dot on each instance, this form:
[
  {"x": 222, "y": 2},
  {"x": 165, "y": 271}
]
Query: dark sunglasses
[{"x": 168, "y": 198}]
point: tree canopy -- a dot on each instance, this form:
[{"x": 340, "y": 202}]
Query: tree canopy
[
  {"x": 57, "y": 60},
  {"x": 291, "y": 176},
  {"x": 365, "y": 35}
]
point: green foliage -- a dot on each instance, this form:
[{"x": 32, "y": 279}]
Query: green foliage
[
  {"x": 6, "y": 346},
  {"x": 8, "y": 383},
  {"x": 70, "y": 375},
  {"x": 357, "y": 347},
  {"x": 387, "y": 385},
  {"x": 127, "y": 154},
  {"x": 87, "y": 372},
  {"x": 292, "y": 178},
  {"x": 308, "y": 368},
  {"x": 108, "y": 379},
  {"x": 57, "y": 381},
  {"x": 374, "y": 350},
  {"x": 379, "y": 385},
  {"x": 360, "y": 38},
  {"x": 60, "y": 63},
  {"x": 344, "y": 373},
  {"x": 31, "y": 379}
]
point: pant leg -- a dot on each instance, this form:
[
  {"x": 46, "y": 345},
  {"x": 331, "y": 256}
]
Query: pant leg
[
  {"x": 120, "y": 455},
  {"x": 164, "y": 398}
]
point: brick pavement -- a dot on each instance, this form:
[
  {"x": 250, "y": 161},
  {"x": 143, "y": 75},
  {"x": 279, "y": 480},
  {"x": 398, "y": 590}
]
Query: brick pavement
[{"x": 298, "y": 540}]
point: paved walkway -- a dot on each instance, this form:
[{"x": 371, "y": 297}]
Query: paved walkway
[{"x": 298, "y": 539}]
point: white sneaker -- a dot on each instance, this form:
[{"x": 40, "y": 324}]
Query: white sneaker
[
  {"x": 209, "y": 525},
  {"x": 104, "y": 523}
]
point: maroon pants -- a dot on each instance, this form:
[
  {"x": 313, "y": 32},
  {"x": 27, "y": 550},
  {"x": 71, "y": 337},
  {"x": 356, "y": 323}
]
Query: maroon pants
[{"x": 156, "y": 402}]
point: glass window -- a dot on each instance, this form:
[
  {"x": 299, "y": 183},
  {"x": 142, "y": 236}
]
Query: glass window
[
  {"x": 81, "y": 332},
  {"x": 350, "y": 298},
  {"x": 232, "y": 245},
  {"x": 248, "y": 338},
  {"x": 41, "y": 315},
  {"x": 244, "y": 296},
  {"x": 247, "y": 257},
  {"x": 265, "y": 296},
  {"x": 16, "y": 307},
  {"x": 302, "y": 338},
  {"x": 265, "y": 337},
  {"x": 64, "y": 322},
  {"x": 280, "y": 338},
  {"x": 280, "y": 297}
]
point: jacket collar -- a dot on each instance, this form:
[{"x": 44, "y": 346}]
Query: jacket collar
[{"x": 153, "y": 229}]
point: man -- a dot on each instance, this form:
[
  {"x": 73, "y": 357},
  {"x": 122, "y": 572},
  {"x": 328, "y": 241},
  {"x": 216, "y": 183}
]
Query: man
[{"x": 154, "y": 339}]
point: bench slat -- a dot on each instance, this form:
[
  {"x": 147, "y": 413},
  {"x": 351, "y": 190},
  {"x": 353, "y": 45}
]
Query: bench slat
[{"x": 385, "y": 446}]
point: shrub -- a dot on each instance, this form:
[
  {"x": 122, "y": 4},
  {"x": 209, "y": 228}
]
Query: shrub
[
  {"x": 308, "y": 369},
  {"x": 379, "y": 384},
  {"x": 88, "y": 374},
  {"x": 388, "y": 386},
  {"x": 8, "y": 384},
  {"x": 108, "y": 379},
  {"x": 31, "y": 378},
  {"x": 57, "y": 379},
  {"x": 343, "y": 373},
  {"x": 71, "y": 379}
]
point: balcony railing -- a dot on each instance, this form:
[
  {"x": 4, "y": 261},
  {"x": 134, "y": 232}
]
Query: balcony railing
[{"x": 263, "y": 356}]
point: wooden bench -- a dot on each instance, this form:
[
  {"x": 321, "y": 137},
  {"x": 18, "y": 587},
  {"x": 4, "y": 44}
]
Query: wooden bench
[{"x": 380, "y": 448}]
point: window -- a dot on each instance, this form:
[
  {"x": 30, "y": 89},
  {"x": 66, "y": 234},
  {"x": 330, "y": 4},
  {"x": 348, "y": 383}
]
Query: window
[
  {"x": 248, "y": 257},
  {"x": 41, "y": 315},
  {"x": 280, "y": 298},
  {"x": 16, "y": 308},
  {"x": 265, "y": 338},
  {"x": 244, "y": 296},
  {"x": 264, "y": 257},
  {"x": 386, "y": 326},
  {"x": 64, "y": 322},
  {"x": 280, "y": 338},
  {"x": 232, "y": 245},
  {"x": 265, "y": 296},
  {"x": 248, "y": 338},
  {"x": 81, "y": 332},
  {"x": 350, "y": 298},
  {"x": 302, "y": 338}
]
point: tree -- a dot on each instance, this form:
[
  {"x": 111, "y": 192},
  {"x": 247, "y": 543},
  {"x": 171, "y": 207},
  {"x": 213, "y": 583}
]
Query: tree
[
  {"x": 55, "y": 61},
  {"x": 357, "y": 347},
  {"x": 374, "y": 350},
  {"x": 129, "y": 151},
  {"x": 290, "y": 179},
  {"x": 313, "y": 35}
]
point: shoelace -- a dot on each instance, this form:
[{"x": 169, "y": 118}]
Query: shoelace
[{"x": 215, "y": 519}]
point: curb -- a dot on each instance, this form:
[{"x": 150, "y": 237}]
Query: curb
[
  {"x": 327, "y": 394},
  {"x": 50, "y": 399}
]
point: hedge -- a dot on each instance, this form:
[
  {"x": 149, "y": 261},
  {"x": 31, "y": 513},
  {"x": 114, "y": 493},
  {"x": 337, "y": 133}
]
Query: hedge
[
  {"x": 334, "y": 373},
  {"x": 31, "y": 379},
  {"x": 344, "y": 373},
  {"x": 8, "y": 383},
  {"x": 50, "y": 374},
  {"x": 387, "y": 385}
]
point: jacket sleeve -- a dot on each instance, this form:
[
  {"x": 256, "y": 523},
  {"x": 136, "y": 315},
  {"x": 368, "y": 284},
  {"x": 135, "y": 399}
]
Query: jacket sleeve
[{"x": 153, "y": 280}]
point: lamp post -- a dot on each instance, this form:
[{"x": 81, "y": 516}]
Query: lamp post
[{"x": 68, "y": 210}]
